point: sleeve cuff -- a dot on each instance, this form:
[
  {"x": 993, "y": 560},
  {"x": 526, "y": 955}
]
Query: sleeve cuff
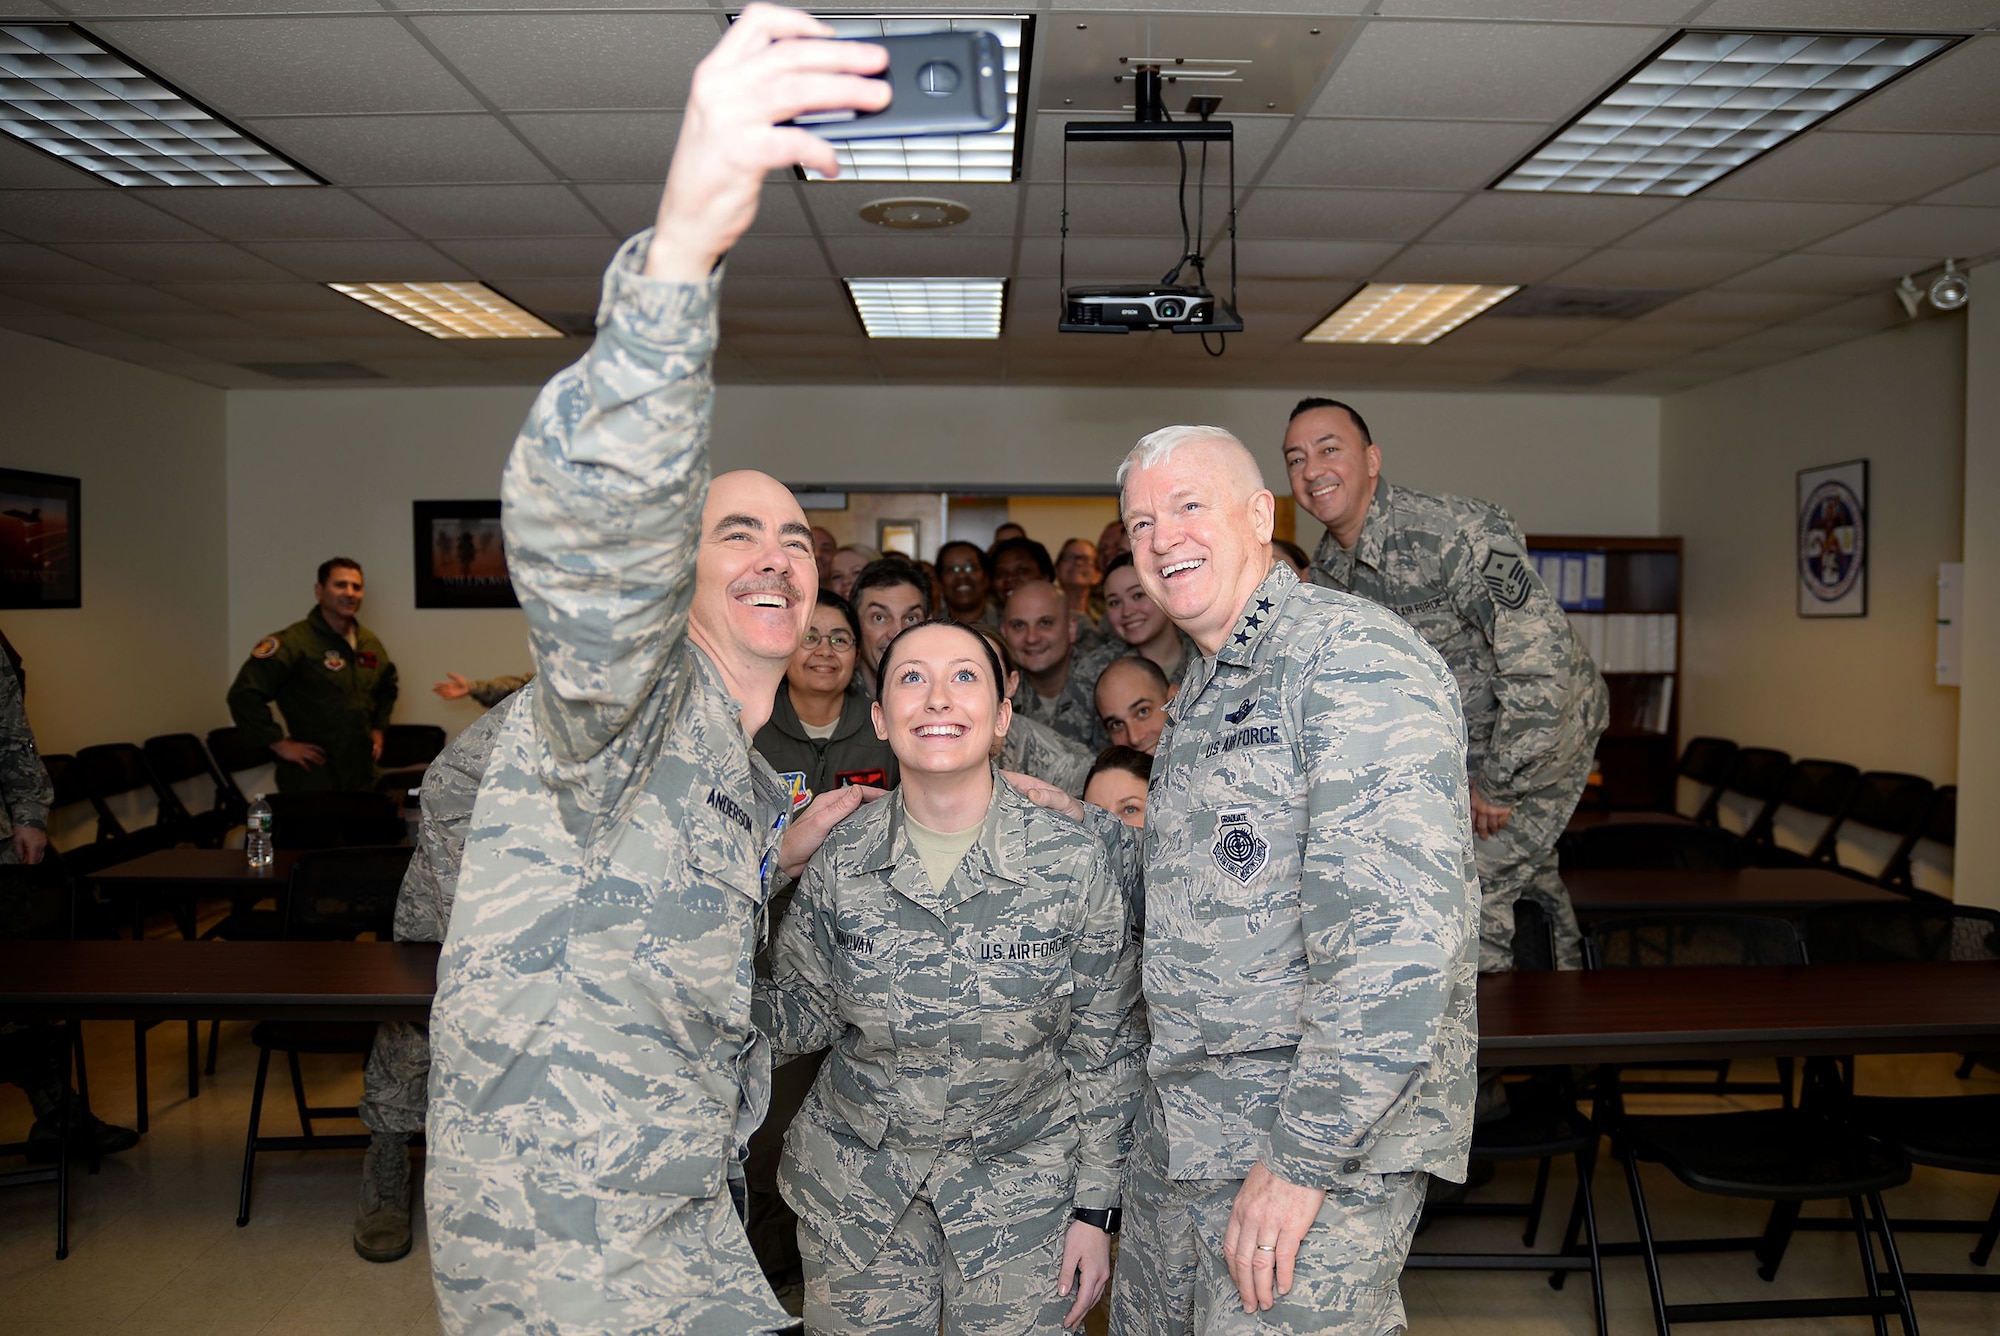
[
  {"x": 1313, "y": 1166},
  {"x": 657, "y": 314}
]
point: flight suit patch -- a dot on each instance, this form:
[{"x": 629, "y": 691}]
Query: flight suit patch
[
  {"x": 1506, "y": 575},
  {"x": 265, "y": 648},
  {"x": 334, "y": 663},
  {"x": 875, "y": 778},
  {"x": 365, "y": 659},
  {"x": 796, "y": 791},
  {"x": 1239, "y": 849}
]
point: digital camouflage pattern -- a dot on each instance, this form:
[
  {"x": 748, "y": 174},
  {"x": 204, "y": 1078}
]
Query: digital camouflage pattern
[
  {"x": 1073, "y": 712},
  {"x": 1457, "y": 570},
  {"x": 395, "y": 1081},
  {"x": 594, "y": 1070},
  {"x": 332, "y": 694},
  {"x": 986, "y": 1056},
  {"x": 490, "y": 691},
  {"x": 1033, "y": 748},
  {"x": 25, "y": 790},
  {"x": 1310, "y": 911}
]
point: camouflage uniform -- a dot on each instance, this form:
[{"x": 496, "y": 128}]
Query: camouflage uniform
[
  {"x": 490, "y": 691},
  {"x": 394, "y": 1083},
  {"x": 1073, "y": 713},
  {"x": 1457, "y": 570},
  {"x": 984, "y": 1074},
  {"x": 594, "y": 1072},
  {"x": 1033, "y": 748},
  {"x": 25, "y": 791},
  {"x": 332, "y": 694},
  {"x": 1310, "y": 962}
]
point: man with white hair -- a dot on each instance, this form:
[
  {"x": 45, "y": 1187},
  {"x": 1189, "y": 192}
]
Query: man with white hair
[
  {"x": 595, "y": 1073},
  {"x": 1310, "y": 931}
]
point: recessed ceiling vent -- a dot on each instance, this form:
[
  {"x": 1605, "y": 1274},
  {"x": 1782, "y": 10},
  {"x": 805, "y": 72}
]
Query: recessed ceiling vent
[
  {"x": 1550, "y": 303},
  {"x": 312, "y": 370}
]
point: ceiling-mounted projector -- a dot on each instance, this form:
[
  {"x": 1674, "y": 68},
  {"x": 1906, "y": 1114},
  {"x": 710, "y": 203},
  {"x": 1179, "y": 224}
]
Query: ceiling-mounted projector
[{"x": 1140, "y": 306}]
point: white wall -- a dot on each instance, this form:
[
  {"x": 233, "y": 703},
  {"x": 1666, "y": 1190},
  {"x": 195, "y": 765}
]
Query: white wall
[
  {"x": 144, "y": 654},
  {"x": 1977, "y": 877},
  {"x": 1863, "y": 689}
]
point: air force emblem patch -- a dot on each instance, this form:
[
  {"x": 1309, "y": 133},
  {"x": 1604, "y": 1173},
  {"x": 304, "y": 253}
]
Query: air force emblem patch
[
  {"x": 1506, "y": 576},
  {"x": 1239, "y": 849}
]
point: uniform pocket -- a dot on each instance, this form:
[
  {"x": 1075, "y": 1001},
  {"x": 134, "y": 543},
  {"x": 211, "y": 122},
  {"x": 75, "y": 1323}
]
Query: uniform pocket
[
  {"x": 1256, "y": 1019},
  {"x": 655, "y": 1250}
]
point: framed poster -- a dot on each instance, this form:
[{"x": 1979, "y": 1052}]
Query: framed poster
[
  {"x": 40, "y": 555},
  {"x": 1832, "y": 540},
  {"x": 461, "y": 560}
]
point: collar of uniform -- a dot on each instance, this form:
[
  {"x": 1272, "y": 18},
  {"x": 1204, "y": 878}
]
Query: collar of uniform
[
  {"x": 1244, "y": 644},
  {"x": 1375, "y": 526},
  {"x": 853, "y": 716},
  {"x": 317, "y": 620},
  {"x": 1003, "y": 842},
  {"x": 712, "y": 678}
]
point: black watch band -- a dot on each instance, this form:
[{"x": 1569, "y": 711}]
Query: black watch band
[{"x": 1107, "y": 1221}]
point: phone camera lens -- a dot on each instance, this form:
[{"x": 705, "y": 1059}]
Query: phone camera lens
[{"x": 938, "y": 78}]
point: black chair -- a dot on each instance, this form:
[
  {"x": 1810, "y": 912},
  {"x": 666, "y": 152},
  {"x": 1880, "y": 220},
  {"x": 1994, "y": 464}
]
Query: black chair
[
  {"x": 1542, "y": 1121},
  {"x": 244, "y": 768},
  {"x": 335, "y": 895},
  {"x": 1673, "y": 845},
  {"x": 1798, "y": 827},
  {"x": 1883, "y": 819},
  {"x": 407, "y": 750},
  {"x": 1756, "y": 777},
  {"x": 133, "y": 808},
  {"x": 1957, "y": 1132},
  {"x": 38, "y": 904},
  {"x": 205, "y": 803},
  {"x": 1927, "y": 866},
  {"x": 1704, "y": 765},
  {"x": 1783, "y": 1156},
  {"x": 333, "y": 820},
  {"x": 73, "y": 821}
]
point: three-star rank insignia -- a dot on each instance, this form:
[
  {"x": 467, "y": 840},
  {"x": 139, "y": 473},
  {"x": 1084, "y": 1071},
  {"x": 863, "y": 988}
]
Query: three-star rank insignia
[
  {"x": 1507, "y": 577},
  {"x": 1239, "y": 849}
]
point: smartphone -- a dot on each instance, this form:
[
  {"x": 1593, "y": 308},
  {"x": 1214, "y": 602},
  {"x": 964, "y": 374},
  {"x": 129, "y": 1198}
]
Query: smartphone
[{"x": 942, "y": 83}]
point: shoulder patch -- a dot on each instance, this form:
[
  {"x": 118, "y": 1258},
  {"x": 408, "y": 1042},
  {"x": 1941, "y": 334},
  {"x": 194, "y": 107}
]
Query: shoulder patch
[
  {"x": 1506, "y": 576},
  {"x": 265, "y": 648}
]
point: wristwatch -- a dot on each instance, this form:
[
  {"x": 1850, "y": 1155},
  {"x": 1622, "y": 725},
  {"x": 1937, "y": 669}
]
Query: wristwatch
[{"x": 1107, "y": 1221}]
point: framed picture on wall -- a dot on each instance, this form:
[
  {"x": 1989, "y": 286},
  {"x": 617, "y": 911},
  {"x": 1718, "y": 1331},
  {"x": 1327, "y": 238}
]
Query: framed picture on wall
[
  {"x": 904, "y": 536},
  {"x": 1832, "y": 540},
  {"x": 461, "y": 560},
  {"x": 40, "y": 552}
]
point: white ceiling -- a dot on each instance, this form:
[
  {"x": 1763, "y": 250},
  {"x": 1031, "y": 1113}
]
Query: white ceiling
[{"x": 515, "y": 141}]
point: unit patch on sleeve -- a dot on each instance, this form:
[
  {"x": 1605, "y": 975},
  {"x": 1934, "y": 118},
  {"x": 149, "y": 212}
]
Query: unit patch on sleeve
[
  {"x": 1506, "y": 575},
  {"x": 265, "y": 648},
  {"x": 1239, "y": 849}
]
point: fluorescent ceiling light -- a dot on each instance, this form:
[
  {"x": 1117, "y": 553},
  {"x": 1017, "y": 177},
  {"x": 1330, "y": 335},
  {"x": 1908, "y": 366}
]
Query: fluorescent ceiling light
[
  {"x": 929, "y": 308},
  {"x": 987, "y": 157},
  {"x": 1707, "y": 103},
  {"x": 450, "y": 310},
  {"x": 1405, "y": 312},
  {"x": 63, "y": 92}
]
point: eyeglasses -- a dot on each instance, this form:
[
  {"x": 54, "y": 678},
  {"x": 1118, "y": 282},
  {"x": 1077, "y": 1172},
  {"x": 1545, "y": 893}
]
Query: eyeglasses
[
  {"x": 838, "y": 641},
  {"x": 961, "y": 568}
]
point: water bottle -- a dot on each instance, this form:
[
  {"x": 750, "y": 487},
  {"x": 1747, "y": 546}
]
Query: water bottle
[{"x": 257, "y": 836}]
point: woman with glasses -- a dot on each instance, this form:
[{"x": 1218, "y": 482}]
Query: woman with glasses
[
  {"x": 819, "y": 735},
  {"x": 967, "y": 958}
]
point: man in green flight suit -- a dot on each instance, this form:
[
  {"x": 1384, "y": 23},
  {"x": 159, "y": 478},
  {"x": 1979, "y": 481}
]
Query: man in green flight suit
[{"x": 332, "y": 681}]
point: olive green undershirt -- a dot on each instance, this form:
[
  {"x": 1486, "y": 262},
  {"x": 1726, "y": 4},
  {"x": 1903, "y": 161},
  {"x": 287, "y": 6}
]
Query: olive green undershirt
[{"x": 941, "y": 851}]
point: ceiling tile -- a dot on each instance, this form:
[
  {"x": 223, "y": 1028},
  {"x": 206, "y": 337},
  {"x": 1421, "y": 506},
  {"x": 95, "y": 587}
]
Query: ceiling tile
[
  {"x": 1880, "y": 168},
  {"x": 1983, "y": 189},
  {"x": 177, "y": 8},
  {"x": 1535, "y": 331},
  {"x": 290, "y": 295},
  {"x": 631, "y": 207},
  {"x": 1827, "y": 273},
  {"x": 292, "y": 66},
  {"x": 1761, "y": 308},
  {"x": 836, "y": 206},
  {"x": 83, "y": 215},
  {"x": 391, "y": 150},
  {"x": 91, "y": 298},
  {"x": 1576, "y": 220},
  {"x": 1478, "y": 264},
  {"x": 822, "y": 317},
  {"x": 560, "y": 62},
  {"x": 1292, "y": 296},
  {"x": 167, "y": 261},
  {"x": 1328, "y": 7},
  {"x": 1958, "y": 91},
  {"x": 1875, "y": 310},
  {"x": 260, "y": 348},
  {"x": 1868, "y": 15},
  {"x": 778, "y": 257},
  {"x": 1735, "y": 224},
  {"x": 533, "y": 259},
  {"x": 571, "y": 296},
  {"x": 22, "y": 167},
  {"x": 1592, "y": 11},
  {"x": 604, "y": 145},
  {"x": 61, "y": 328},
  {"x": 1798, "y": 339},
  {"x": 359, "y": 261},
  {"x": 292, "y": 214},
  {"x": 179, "y": 326},
  {"x": 438, "y": 212},
  {"x": 818, "y": 370},
  {"x": 1635, "y": 267},
  {"x": 1343, "y": 215},
  {"x": 1682, "y": 336},
  {"x": 1256, "y": 136},
  {"x": 1299, "y": 259},
  {"x": 1937, "y": 228},
  {"x": 1418, "y": 155},
  {"x": 755, "y": 292},
  {"x": 1480, "y": 71},
  {"x": 918, "y": 255},
  {"x": 357, "y": 321},
  {"x": 1109, "y": 210}
]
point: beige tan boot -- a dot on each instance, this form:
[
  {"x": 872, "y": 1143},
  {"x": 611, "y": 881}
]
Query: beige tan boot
[{"x": 382, "y": 1230}]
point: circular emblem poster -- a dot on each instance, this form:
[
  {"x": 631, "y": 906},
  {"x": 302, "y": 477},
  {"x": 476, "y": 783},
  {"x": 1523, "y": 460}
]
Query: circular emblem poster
[{"x": 1833, "y": 540}]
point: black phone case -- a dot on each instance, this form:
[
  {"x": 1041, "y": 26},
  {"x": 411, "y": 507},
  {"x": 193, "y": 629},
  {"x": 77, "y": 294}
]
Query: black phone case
[{"x": 972, "y": 64}]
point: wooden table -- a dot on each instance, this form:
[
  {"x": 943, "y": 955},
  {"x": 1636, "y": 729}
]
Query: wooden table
[
  {"x": 1591, "y": 818},
  {"x": 1759, "y": 1011},
  {"x": 182, "y": 875},
  {"x": 1784, "y": 891},
  {"x": 319, "y": 981}
]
